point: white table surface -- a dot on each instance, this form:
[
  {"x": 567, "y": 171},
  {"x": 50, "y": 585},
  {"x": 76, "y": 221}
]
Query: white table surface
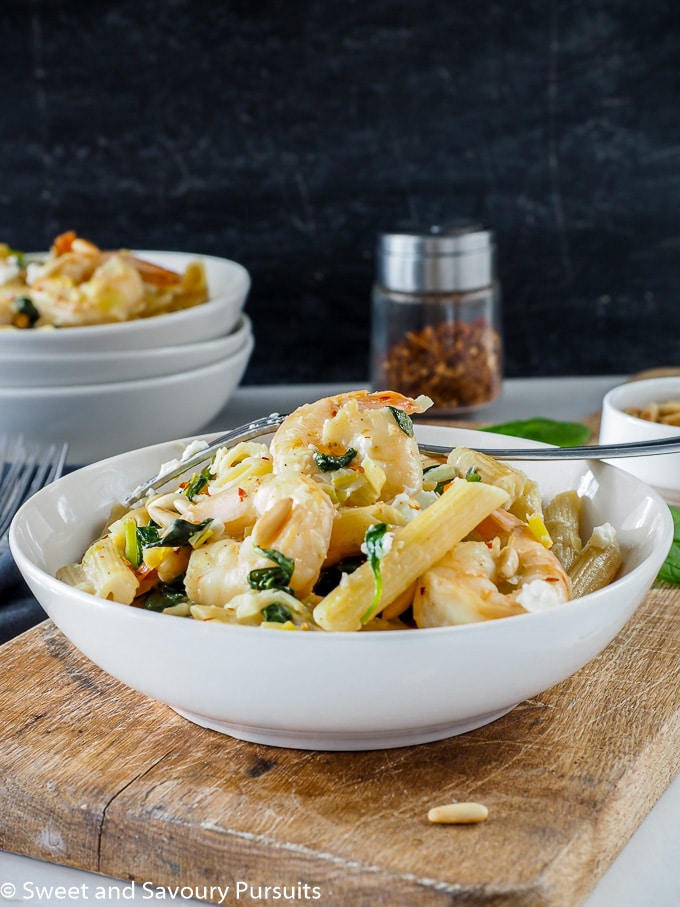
[{"x": 646, "y": 872}]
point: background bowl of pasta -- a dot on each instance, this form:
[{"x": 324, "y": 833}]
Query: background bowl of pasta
[
  {"x": 643, "y": 411},
  {"x": 338, "y": 690},
  {"x": 228, "y": 285}
]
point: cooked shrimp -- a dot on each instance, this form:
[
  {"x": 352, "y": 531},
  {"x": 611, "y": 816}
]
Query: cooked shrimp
[
  {"x": 293, "y": 516},
  {"x": 232, "y": 509},
  {"x": 507, "y": 573},
  {"x": 81, "y": 288},
  {"x": 460, "y": 589},
  {"x": 387, "y": 461},
  {"x": 213, "y": 576},
  {"x": 538, "y": 578},
  {"x": 70, "y": 251},
  {"x": 72, "y": 260}
]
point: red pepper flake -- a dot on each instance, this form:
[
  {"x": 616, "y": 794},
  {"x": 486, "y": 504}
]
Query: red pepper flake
[{"x": 457, "y": 364}]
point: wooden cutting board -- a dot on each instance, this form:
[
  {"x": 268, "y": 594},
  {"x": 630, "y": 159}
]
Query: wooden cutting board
[{"x": 95, "y": 776}]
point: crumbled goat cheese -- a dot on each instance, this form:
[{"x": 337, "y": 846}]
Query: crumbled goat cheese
[
  {"x": 387, "y": 541},
  {"x": 538, "y": 595},
  {"x": 603, "y": 536},
  {"x": 189, "y": 451}
]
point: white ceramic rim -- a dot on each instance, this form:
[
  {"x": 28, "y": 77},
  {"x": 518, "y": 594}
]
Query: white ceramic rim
[
  {"x": 236, "y": 335},
  {"x": 639, "y": 394},
  {"x": 106, "y": 388}
]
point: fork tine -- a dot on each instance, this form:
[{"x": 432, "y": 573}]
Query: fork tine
[{"x": 25, "y": 469}]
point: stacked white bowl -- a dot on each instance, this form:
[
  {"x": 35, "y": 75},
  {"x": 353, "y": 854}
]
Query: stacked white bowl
[{"x": 109, "y": 388}]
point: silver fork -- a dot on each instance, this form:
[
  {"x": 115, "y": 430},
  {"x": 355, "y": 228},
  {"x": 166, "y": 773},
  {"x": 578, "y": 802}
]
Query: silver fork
[
  {"x": 259, "y": 427},
  {"x": 248, "y": 432},
  {"x": 25, "y": 467}
]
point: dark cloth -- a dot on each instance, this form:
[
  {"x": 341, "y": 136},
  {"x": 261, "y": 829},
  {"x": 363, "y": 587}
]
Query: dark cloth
[{"x": 19, "y": 611}]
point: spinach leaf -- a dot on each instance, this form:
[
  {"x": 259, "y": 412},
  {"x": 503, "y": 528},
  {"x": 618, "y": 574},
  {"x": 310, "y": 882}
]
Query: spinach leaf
[
  {"x": 136, "y": 539},
  {"x": 549, "y": 431},
  {"x": 178, "y": 533},
  {"x": 403, "y": 420},
  {"x": 374, "y": 544},
  {"x": 166, "y": 595},
  {"x": 331, "y": 576},
  {"x": 148, "y": 535},
  {"x": 273, "y": 577},
  {"x": 25, "y": 307},
  {"x": 276, "y": 613},
  {"x": 328, "y": 463},
  {"x": 670, "y": 569}
]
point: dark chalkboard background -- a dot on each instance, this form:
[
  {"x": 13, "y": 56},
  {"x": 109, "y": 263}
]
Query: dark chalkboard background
[{"x": 286, "y": 134}]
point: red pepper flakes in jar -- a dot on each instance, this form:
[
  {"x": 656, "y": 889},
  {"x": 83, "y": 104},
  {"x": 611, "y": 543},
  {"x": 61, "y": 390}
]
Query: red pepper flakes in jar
[{"x": 435, "y": 326}]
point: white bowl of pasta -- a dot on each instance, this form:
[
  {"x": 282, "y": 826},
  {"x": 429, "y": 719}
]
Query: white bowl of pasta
[
  {"x": 342, "y": 690},
  {"x": 117, "y": 301}
]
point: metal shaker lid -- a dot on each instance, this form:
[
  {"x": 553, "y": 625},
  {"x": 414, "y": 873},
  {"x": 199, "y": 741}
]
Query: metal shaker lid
[{"x": 436, "y": 259}]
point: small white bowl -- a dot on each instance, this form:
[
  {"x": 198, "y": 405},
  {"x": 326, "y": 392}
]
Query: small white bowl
[
  {"x": 100, "y": 420},
  {"x": 31, "y": 369},
  {"x": 337, "y": 691},
  {"x": 617, "y": 426},
  {"x": 228, "y": 284}
]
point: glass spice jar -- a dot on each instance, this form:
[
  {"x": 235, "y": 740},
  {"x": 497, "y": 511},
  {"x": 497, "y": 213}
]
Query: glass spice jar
[{"x": 435, "y": 321}]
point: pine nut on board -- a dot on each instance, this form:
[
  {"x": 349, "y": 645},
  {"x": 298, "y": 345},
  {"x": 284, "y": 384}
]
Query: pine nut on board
[{"x": 458, "y": 813}]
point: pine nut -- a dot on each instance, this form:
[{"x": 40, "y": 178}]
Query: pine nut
[
  {"x": 271, "y": 521},
  {"x": 508, "y": 562},
  {"x": 458, "y": 813}
]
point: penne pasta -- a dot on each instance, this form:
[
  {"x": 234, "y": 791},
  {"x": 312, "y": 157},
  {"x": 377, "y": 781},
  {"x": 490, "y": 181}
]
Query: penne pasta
[
  {"x": 350, "y": 525},
  {"x": 528, "y": 503},
  {"x": 562, "y": 515},
  {"x": 493, "y": 472},
  {"x": 415, "y": 547},
  {"x": 597, "y": 564},
  {"x": 109, "y": 572}
]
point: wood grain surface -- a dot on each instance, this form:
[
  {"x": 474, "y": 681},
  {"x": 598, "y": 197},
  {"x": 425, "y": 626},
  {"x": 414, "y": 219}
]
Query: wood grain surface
[{"x": 96, "y": 776}]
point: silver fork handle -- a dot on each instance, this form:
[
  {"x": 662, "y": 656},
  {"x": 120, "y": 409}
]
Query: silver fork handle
[
  {"x": 259, "y": 427},
  {"x": 586, "y": 452}
]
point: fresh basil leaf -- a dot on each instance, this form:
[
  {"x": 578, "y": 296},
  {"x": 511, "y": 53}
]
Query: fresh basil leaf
[
  {"x": 548, "y": 431},
  {"x": 276, "y": 613},
  {"x": 403, "y": 420},
  {"x": 178, "y": 533},
  {"x": 670, "y": 569},
  {"x": 197, "y": 483},
  {"x": 374, "y": 544},
  {"x": 328, "y": 463}
]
